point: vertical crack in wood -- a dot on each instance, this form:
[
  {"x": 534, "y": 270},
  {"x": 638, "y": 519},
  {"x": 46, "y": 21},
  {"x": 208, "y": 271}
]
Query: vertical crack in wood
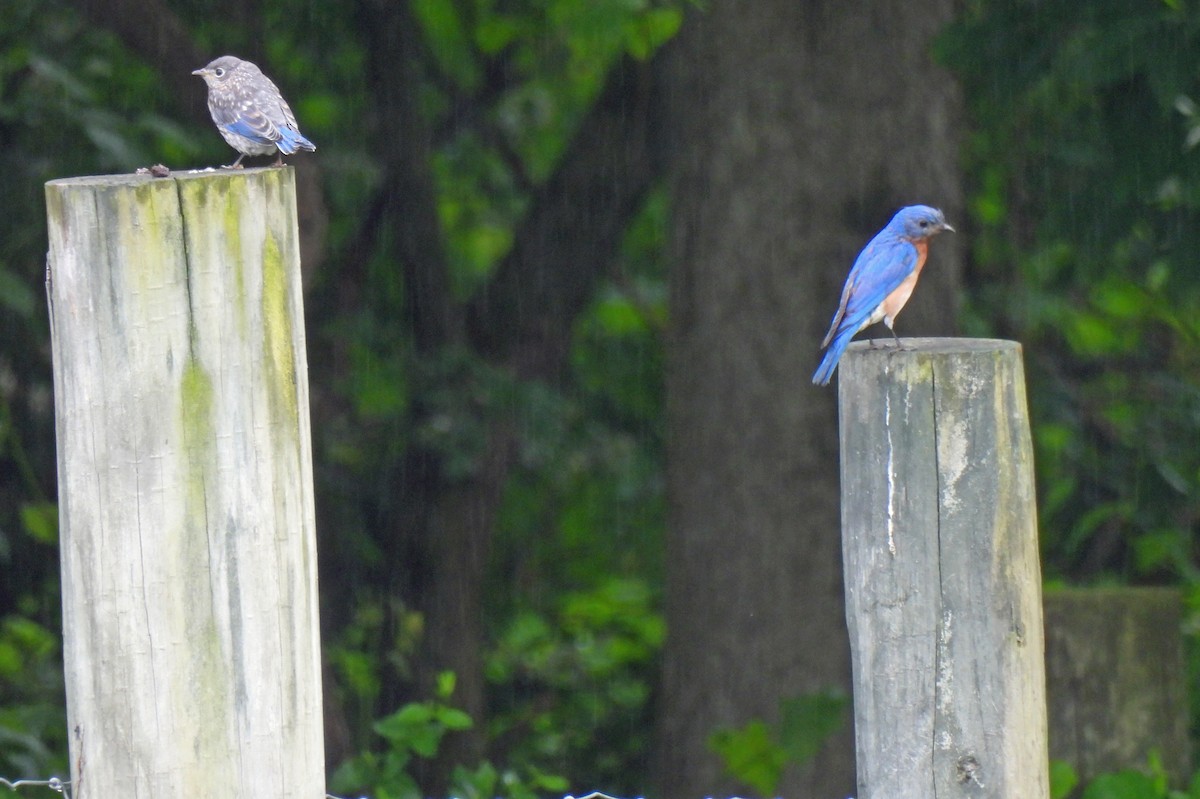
[{"x": 185, "y": 246}]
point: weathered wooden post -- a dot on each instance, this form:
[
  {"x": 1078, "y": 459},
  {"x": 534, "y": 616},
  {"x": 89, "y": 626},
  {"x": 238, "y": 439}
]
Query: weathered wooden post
[
  {"x": 943, "y": 585},
  {"x": 185, "y": 487}
]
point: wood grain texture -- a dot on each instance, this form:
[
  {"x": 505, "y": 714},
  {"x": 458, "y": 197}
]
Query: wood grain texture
[
  {"x": 943, "y": 584},
  {"x": 185, "y": 487}
]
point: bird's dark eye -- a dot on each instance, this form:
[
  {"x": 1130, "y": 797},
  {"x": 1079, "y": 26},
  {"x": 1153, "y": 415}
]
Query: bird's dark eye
[
  {"x": 924, "y": 223},
  {"x": 220, "y": 73}
]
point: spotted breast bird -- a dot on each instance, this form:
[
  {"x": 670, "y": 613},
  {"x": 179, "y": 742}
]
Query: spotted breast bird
[
  {"x": 881, "y": 281},
  {"x": 249, "y": 111}
]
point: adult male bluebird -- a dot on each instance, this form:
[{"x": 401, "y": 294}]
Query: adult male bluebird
[
  {"x": 249, "y": 111},
  {"x": 881, "y": 281}
]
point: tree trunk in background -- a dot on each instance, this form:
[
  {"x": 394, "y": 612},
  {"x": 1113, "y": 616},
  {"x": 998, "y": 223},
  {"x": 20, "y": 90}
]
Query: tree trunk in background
[{"x": 799, "y": 128}]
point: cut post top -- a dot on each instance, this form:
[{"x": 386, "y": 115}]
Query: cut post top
[
  {"x": 933, "y": 345},
  {"x": 134, "y": 179}
]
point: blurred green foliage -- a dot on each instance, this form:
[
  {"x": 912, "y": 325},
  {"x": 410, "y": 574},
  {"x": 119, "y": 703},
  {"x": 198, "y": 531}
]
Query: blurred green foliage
[
  {"x": 1063, "y": 779},
  {"x": 565, "y": 682},
  {"x": 758, "y": 753},
  {"x": 574, "y": 631},
  {"x": 1086, "y": 208},
  {"x": 1149, "y": 783},
  {"x": 416, "y": 731},
  {"x": 33, "y": 733}
]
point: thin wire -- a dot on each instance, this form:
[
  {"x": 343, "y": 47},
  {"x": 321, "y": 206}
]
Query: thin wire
[
  {"x": 63, "y": 787},
  {"x": 54, "y": 784}
]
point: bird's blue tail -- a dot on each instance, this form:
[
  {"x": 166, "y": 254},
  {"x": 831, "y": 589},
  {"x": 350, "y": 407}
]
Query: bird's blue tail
[
  {"x": 829, "y": 363},
  {"x": 291, "y": 140}
]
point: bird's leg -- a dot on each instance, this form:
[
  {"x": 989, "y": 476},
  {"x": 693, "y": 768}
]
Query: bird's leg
[
  {"x": 278, "y": 159},
  {"x": 899, "y": 343},
  {"x": 236, "y": 164}
]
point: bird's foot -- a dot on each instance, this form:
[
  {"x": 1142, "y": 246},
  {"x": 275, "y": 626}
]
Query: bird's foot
[
  {"x": 234, "y": 165},
  {"x": 883, "y": 344},
  {"x": 279, "y": 160}
]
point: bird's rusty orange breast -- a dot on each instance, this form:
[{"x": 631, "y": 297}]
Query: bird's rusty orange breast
[{"x": 894, "y": 302}]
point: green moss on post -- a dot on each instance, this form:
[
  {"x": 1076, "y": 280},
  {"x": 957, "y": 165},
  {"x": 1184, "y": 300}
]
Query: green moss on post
[
  {"x": 185, "y": 487},
  {"x": 277, "y": 332}
]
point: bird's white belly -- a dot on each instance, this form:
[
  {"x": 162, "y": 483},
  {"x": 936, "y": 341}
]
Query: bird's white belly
[
  {"x": 247, "y": 146},
  {"x": 875, "y": 316}
]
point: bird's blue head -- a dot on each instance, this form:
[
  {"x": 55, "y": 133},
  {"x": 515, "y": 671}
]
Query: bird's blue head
[{"x": 919, "y": 222}]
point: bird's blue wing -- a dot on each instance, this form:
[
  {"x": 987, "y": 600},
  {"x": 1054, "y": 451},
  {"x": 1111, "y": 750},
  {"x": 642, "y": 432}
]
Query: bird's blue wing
[
  {"x": 878, "y": 271},
  {"x": 882, "y": 271},
  {"x": 266, "y": 128},
  {"x": 253, "y": 125}
]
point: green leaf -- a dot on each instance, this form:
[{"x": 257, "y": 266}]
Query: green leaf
[
  {"x": 648, "y": 31},
  {"x": 1121, "y": 299},
  {"x": 448, "y": 41},
  {"x": 412, "y": 727},
  {"x": 1063, "y": 779},
  {"x": 445, "y": 684},
  {"x": 547, "y": 783},
  {"x": 808, "y": 722},
  {"x": 40, "y": 520},
  {"x": 320, "y": 110},
  {"x": 1128, "y": 784},
  {"x": 618, "y": 316},
  {"x": 496, "y": 32},
  {"x": 751, "y": 756},
  {"x": 1091, "y": 334},
  {"x": 454, "y": 719}
]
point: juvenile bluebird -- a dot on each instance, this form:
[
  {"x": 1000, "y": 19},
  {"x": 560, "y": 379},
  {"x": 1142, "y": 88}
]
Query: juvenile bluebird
[
  {"x": 881, "y": 281},
  {"x": 249, "y": 111}
]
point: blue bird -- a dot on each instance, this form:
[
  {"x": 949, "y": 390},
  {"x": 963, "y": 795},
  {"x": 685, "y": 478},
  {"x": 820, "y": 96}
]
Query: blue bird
[
  {"x": 881, "y": 281},
  {"x": 249, "y": 111}
]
